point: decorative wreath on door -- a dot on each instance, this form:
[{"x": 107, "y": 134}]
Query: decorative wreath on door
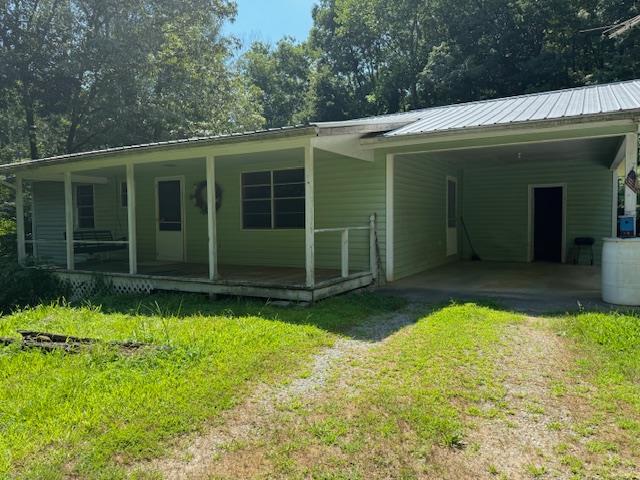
[{"x": 199, "y": 196}]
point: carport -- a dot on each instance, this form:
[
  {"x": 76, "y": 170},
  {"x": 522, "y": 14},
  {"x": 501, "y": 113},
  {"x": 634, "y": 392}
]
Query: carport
[{"x": 525, "y": 183}]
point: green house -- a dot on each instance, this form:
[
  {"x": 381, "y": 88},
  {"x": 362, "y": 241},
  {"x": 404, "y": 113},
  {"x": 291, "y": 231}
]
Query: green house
[{"x": 311, "y": 211}]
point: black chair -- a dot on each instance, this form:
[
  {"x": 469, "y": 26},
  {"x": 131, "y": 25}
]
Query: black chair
[{"x": 580, "y": 244}]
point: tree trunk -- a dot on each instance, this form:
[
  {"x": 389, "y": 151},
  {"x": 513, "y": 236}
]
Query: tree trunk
[{"x": 27, "y": 103}]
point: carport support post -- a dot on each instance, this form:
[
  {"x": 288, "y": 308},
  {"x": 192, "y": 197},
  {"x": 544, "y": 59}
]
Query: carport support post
[
  {"x": 390, "y": 169},
  {"x": 309, "y": 219},
  {"x": 68, "y": 219},
  {"x": 131, "y": 219},
  {"x": 631, "y": 163},
  {"x": 22, "y": 250},
  {"x": 211, "y": 217}
]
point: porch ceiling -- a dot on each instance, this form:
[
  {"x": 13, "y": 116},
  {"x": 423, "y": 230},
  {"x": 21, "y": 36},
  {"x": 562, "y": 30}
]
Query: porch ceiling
[{"x": 590, "y": 149}]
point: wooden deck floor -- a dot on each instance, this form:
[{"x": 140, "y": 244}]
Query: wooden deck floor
[
  {"x": 281, "y": 276},
  {"x": 277, "y": 283}
]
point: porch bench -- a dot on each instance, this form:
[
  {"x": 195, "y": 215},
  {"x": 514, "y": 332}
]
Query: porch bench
[{"x": 97, "y": 236}]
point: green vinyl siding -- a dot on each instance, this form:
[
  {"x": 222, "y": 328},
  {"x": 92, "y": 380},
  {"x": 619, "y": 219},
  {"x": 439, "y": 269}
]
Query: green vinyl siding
[
  {"x": 263, "y": 247},
  {"x": 420, "y": 240},
  {"x": 347, "y": 192},
  {"x": 496, "y": 204}
]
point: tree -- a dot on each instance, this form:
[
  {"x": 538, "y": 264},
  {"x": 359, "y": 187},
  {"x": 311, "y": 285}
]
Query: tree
[
  {"x": 282, "y": 75},
  {"x": 377, "y": 56},
  {"x": 97, "y": 73}
]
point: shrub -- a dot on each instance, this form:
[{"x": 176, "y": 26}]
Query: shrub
[
  {"x": 27, "y": 286},
  {"x": 8, "y": 244}
]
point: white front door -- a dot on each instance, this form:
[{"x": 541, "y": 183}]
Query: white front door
[
  {"x": 170, "y": 219},
  {"x": 452, "y": 216}
]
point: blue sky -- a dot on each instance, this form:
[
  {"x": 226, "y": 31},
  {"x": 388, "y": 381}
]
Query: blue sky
[{"x": 270, "y": 20}]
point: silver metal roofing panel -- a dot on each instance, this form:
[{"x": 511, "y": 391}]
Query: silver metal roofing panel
[
  {"x": 575, "y": 102},
  {"x": 569, "y": 103}
]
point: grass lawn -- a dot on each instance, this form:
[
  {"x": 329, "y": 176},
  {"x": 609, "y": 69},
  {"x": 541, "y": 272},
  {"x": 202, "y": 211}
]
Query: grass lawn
[
  {"x": 605, "y": 441},
  {"x": 466, "y": 391},
  {"x": 91, "y": 414},
  {"x": 407, "y": 396}
]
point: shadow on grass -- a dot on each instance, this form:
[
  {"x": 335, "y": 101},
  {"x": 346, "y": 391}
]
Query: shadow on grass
[{"x": 344, "y": 315}]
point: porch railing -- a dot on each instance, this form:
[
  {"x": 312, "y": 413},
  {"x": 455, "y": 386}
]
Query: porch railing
[{"x": 344, "y": 245}]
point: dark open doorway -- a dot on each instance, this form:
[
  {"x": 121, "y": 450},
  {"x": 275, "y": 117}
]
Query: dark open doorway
[{"x": 547, "y": 224}]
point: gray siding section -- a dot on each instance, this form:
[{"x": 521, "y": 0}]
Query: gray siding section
[
  {"x": 48, "y": 200},
  {"x": 49, "y": 225}
]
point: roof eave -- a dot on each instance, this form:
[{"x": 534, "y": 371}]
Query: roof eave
[
  {"x": 632, "y": 115},
  {"x": 308, "y": 130}
]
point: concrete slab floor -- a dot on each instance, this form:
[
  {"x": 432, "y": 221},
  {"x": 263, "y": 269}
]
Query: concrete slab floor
[{"x": 526, "y": 287}]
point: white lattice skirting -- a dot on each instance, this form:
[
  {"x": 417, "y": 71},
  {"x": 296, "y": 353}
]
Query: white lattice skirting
[
  {"x": 83, "y": 285},
  {"x": 86, "y": 284}
]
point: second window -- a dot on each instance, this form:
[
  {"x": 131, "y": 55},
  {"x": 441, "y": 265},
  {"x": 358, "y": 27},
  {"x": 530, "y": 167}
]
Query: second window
[{"x": 273, "y": 199}]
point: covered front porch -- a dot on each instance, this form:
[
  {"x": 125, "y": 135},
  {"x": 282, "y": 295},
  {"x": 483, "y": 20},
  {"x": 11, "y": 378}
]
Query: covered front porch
[{"x": 143, "y": 222}]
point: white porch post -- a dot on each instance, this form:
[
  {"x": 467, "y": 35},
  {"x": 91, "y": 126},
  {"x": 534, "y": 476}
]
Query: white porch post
[
  {"x": 309, "y": 216},
  {"x": 389, "y": 214},
  {"x": 22, "y": 250},
  {"x": 131, "y": 219},
  {"x": 211, "y": 217},
  {"x": 344, "y": 253},
  {"x": 373, "y": 262},
  {"x": 630, "y": 163},
  {"x": 68, "y": 219}
]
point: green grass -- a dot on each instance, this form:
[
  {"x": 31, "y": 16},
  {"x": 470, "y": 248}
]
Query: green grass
[
  {"x": 411, "y": 394},
  {"x": 91, "y": 414},
  {"x": 607, "y": 352}
]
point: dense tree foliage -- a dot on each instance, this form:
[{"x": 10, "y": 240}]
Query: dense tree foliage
[
  {"x": 79, "y": 74},
  {"x": 83, "y": 74},
  {"x": 378, "y": 56},
  {"x": 282, "y": 76}
]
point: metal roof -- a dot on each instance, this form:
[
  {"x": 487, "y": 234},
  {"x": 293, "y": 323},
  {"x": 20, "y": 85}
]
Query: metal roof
[
  {"x": 571, "y": 103},
  {"x": 194, "y": 141},
  {"x": 560, "y": 104}
]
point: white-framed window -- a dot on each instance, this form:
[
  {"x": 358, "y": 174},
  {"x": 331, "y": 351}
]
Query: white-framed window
[
  {"x": 85, "y": 210},
  {"x": 123, "y": 194},
  {"x": 273, "y": 199}
]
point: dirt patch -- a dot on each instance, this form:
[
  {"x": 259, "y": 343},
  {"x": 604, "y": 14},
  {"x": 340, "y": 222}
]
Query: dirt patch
[
  {"x": 218, "y": 451},
  {"x": 520, "y": 442}
]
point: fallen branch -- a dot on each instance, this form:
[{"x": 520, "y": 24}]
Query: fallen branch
[{"x": 54, "y": 341}]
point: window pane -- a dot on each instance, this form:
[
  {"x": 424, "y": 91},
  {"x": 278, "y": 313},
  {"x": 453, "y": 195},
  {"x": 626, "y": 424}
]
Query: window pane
[
  {"x": 169, "y": 205},
  {"x": 289, "y": 220},
  {"x": 84, "y": 190},
  {"x": 257, "y": 192},
  {"x": 295, "y": 205},
  {"x": 85, "y": 212},
  {"x": 256, "y": 178},
  {"x": 169, "y": 226},
  {"x": 289, "y": 176},
  {"x": 85, "y": 222},
  {"x": 84, "y": 200},
  {"x": 84, "y": 206},
  {"x": 257, "y": 206},
  {"x": 292, "y": 190},
  {"x": 257, "y": 220}
]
